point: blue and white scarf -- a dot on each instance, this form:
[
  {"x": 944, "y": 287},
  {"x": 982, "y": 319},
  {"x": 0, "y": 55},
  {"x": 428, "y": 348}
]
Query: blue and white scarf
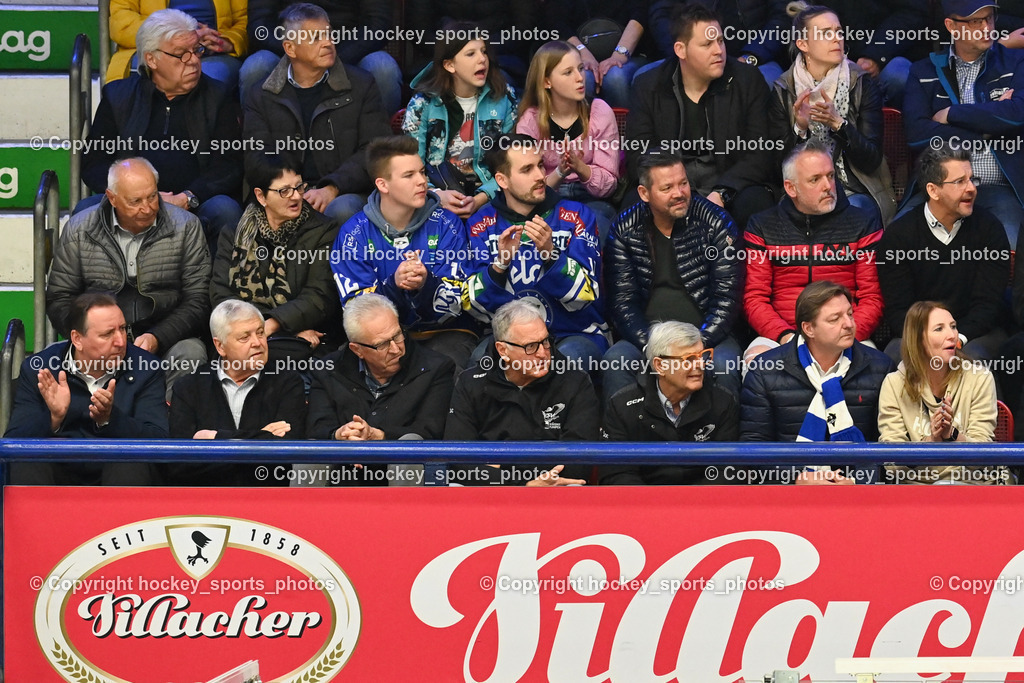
[{"x": 827, "y": 413}]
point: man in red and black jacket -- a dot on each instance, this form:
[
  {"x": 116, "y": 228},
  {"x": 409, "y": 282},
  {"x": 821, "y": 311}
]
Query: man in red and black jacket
[{"x": 813, "y": 234}]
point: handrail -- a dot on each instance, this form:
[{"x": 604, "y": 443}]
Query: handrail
[
  {"x": 602, "y": 452},
  {"x": 45, "y": 233},
  {"x": 104, "y": 36},
  {"x": 80, "y": 79},
  {"x": 11, "y": 356}
]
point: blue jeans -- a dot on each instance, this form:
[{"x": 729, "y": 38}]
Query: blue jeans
[
  {"x": 217, "y": 213},
  {"x": 604, "y": 212},
  {"x": 380, "y": 64},
  {"x": 867, "y": 203},
  {"x": 223, "y": 68},
  {"x": 615, "y": 87},
  {"x": 344, "y": 207},
  {"x": 893, "y": 81}
]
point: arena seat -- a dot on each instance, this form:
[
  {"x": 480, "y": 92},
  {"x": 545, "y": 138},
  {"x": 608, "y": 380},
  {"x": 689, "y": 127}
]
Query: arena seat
[
  {"x": 1004, "y": 423},
  {"x": 896, "y": 150},
  {"x": 396, "y": 121}
]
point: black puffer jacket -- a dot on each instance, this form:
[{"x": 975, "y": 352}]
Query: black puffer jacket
[
  {"x": 714, "y": 280},
  {"x": 773, "y": 402}
]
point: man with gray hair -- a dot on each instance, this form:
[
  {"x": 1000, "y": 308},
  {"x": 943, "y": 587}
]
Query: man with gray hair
[
  {"x": 321, "y": 110},
  {"x": 150, "y": 255},
  {"x": 813, "y": 234},
  {"x": 526, "y": 391},
  {"x": 381, "y": 386},
  {"x": 672, "y": 404},
  {"x": 235, "y": 397},
  {"x": 183, "y": 122}
]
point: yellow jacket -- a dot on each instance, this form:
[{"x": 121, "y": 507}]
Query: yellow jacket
[{"x": 127, "y": 15}]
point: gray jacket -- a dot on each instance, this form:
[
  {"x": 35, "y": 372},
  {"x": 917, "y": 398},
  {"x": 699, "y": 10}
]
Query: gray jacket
[{"x": 171, "y": 301}]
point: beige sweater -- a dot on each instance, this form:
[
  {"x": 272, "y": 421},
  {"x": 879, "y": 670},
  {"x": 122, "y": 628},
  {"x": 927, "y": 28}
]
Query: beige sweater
[{"x": 974, "y": 414}]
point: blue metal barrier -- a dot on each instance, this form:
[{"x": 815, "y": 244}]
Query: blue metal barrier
[{"x": 763, "y": 454}]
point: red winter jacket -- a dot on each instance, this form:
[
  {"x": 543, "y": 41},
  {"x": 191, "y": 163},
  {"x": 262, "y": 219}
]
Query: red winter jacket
[{"x": 787, "y": 250}]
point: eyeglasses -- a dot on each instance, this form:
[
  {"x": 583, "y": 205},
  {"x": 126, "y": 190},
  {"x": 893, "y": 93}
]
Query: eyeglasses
[
  {"x": 978, "y": 22},
  {"x": 287, "y": 192},
  {"x": 532, "y": 348},
  {"x": 959, "y": 183},
  {"x": 198, "y": 51},
  {"x": 386, "y": 344},
  {"x": 688, "y": 360}
]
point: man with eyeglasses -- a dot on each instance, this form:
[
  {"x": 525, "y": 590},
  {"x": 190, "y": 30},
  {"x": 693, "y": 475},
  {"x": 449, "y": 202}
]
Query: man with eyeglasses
[
  {"x": 950, "y": 250},
  {"x": 322, "y": 111},
  {"x": 182, "y": 121},
  {"x": 381, "y": 386},
  {"x": 524, "y": 390},
  {"x": 972, "y": 97},
  {"x": 150, "y": 254},
  {"x": 823, "y": 385},
  {"x": 405, "y": 246},
  {"x": 671, "y": 404}
]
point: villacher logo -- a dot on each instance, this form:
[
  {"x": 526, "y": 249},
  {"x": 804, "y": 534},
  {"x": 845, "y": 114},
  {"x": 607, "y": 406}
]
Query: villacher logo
[{"x": 192, "y": 593}]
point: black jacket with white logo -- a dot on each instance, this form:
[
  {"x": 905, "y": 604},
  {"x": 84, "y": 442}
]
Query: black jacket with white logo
[
  {"x": 561, "y": 406},
  {"x": 635, "y": 413}
]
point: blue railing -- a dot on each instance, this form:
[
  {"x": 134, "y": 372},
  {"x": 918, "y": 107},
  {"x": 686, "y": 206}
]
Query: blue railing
[{"x": 61, "y": 450}]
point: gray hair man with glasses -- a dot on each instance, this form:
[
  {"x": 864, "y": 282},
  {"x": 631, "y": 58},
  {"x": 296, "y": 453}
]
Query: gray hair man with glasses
[
  {"x": 380, "y": 386},
  {"x": 525, "y": 391},
  {"x": 949, "y": 250},
  {"x": 182, "y": 121},
  {"x": 672, "y": 403},
  {"x": 971, "y": 96}
]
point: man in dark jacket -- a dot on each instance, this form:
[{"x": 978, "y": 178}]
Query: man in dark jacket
[
  {"x": 359, "y": 26},
  {"x": 236, "y": 397},
  {"x": 314, "y": 106},
  {"x": 672, "y": 257},
  {"x": 972, "y": 97},
  {"x": 183, "y": 122},
  {"x": 672, "y": 404},
  {"x": 948, "y": 251},
  {"x": 524, "y": 392},
  {"x": 382, "y": 386},
  {"x": 150, "y": 254},
  {"x": 822, "y": 385},
  {"x": 813, "y": 234},
  {"x": 96, "y": 385},
  {"x": 714, "y": 111}
]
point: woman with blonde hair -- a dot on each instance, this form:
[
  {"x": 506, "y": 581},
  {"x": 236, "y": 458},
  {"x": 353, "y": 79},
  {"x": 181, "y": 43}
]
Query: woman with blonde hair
[
  {"x": 937, "y": 394},
  {"x": 579, "y": 140},
  {"x": 826, "y": 96}
]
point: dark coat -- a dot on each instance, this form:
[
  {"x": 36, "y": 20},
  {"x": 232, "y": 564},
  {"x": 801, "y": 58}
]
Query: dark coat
[
  {"x": 636, "y": 414},
  {"x": 914, "y": 266},
  {"x": 414, "y": 402},
  {"x": 314, "y": 304},
  {"x": 715, "y": 282},
  {"x": 349, "y": 117},
  {"x": 774, "y": 401},
  {"x": 737, "y": 109},
  {"x": 139, "y": 412},
  {"x": 211, "y": 116},
  {"x": 198, "y": 402}
]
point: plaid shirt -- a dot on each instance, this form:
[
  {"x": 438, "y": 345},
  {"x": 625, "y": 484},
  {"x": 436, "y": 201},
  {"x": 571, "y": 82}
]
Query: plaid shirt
[{"x": 983, "y": 163}]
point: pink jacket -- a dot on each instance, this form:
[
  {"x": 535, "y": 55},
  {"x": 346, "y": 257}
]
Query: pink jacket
[{"x": 600, "y": 149}]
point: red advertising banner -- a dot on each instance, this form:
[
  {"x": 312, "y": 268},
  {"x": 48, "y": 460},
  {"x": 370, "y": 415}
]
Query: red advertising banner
[{"x": 710, "y": 585}]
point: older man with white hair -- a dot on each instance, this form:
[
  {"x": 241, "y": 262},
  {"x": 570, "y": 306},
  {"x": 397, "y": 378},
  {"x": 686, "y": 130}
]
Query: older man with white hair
[
  {"x": 150, "y": 255},
  {"x": 182, "y": 121},
  {"x": 524, "y": 390},
  {"x": 236, "y": 396},
  {"x": 672, "y": 404}
]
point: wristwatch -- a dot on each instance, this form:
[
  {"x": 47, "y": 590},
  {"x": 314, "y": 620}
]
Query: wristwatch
[
  {"x": 193, "y": 201},
  {"x": 622, "y": 51},
  {"x": 749, "y": 59},
  {"x": 954, "y": 435}
]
